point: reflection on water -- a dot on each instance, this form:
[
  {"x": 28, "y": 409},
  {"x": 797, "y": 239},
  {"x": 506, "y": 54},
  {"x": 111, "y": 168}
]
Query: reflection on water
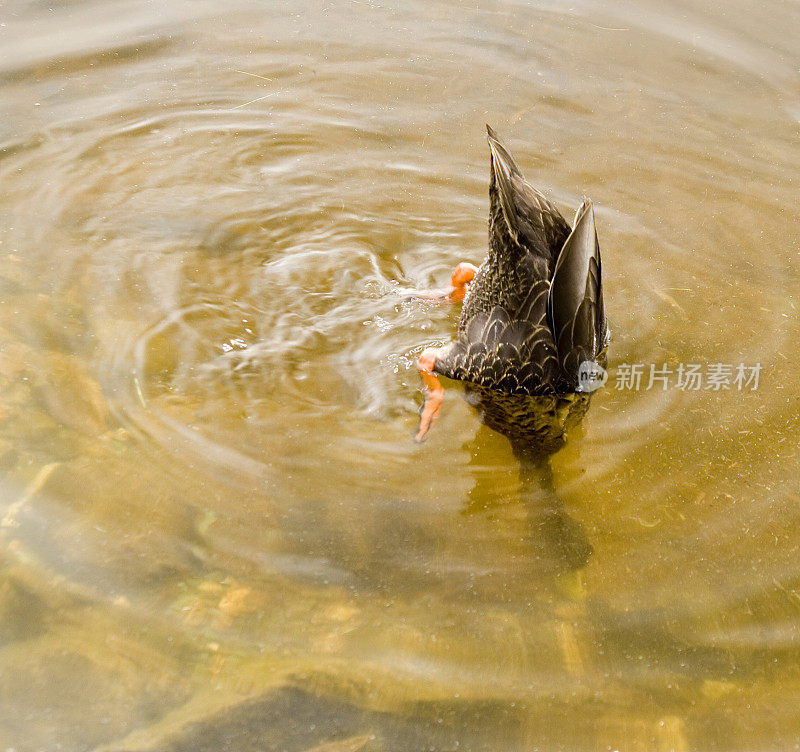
[{"x": 216, "y": 528}]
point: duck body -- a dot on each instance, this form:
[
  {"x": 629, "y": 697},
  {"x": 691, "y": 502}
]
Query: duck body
[{"x": 532, "y": 314}]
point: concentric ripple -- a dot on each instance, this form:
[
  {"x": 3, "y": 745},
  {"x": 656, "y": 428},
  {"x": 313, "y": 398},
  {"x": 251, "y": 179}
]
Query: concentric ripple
[{"x": 208, "y": 220}]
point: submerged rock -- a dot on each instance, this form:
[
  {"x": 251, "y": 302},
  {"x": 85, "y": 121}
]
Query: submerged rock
[
  {"x": 289, "y": 719},
  {"x": 80, "y": 685},
  {"x": 71, "y": 395}
]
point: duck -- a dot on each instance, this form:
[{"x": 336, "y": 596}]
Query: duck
[{"x": 532, "y": 328}]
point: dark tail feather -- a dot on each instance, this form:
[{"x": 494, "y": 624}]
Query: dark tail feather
[
  {"x": 503, "y": 167},
  {"x": 575, "y": 312}
]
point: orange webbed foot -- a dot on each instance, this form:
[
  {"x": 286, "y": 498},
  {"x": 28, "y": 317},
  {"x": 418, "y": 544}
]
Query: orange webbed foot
[
  {"x": 433, "y": 391},
  {"x": 462, "y": 275},
  {"x": 459, "y": 281}
]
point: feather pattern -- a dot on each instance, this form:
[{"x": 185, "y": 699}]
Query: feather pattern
[{"x": 534, "y": 310}]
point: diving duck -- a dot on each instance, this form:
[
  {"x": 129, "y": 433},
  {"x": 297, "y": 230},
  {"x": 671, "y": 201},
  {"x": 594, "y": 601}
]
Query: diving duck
[{"x": 532, "y": 324}]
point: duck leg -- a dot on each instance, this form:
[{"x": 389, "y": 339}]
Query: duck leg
[
  {"x": 459, "y": 280},
  {"x": 462, "y": 275},
  {"x": 433, "y": 391}
]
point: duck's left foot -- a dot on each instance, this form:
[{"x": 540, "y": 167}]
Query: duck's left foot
[
  {"x": 462, "y": 275},
  {"x": 433, "y": 390},
  {"x": 459, "y": 281}
]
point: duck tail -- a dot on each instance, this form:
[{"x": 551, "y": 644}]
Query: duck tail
[
  {"x": 575, "y": 312},
  {"x": 503, "y": 167}
]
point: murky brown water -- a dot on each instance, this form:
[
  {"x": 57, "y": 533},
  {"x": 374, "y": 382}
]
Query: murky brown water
[{"x": 216, "y": 526}]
